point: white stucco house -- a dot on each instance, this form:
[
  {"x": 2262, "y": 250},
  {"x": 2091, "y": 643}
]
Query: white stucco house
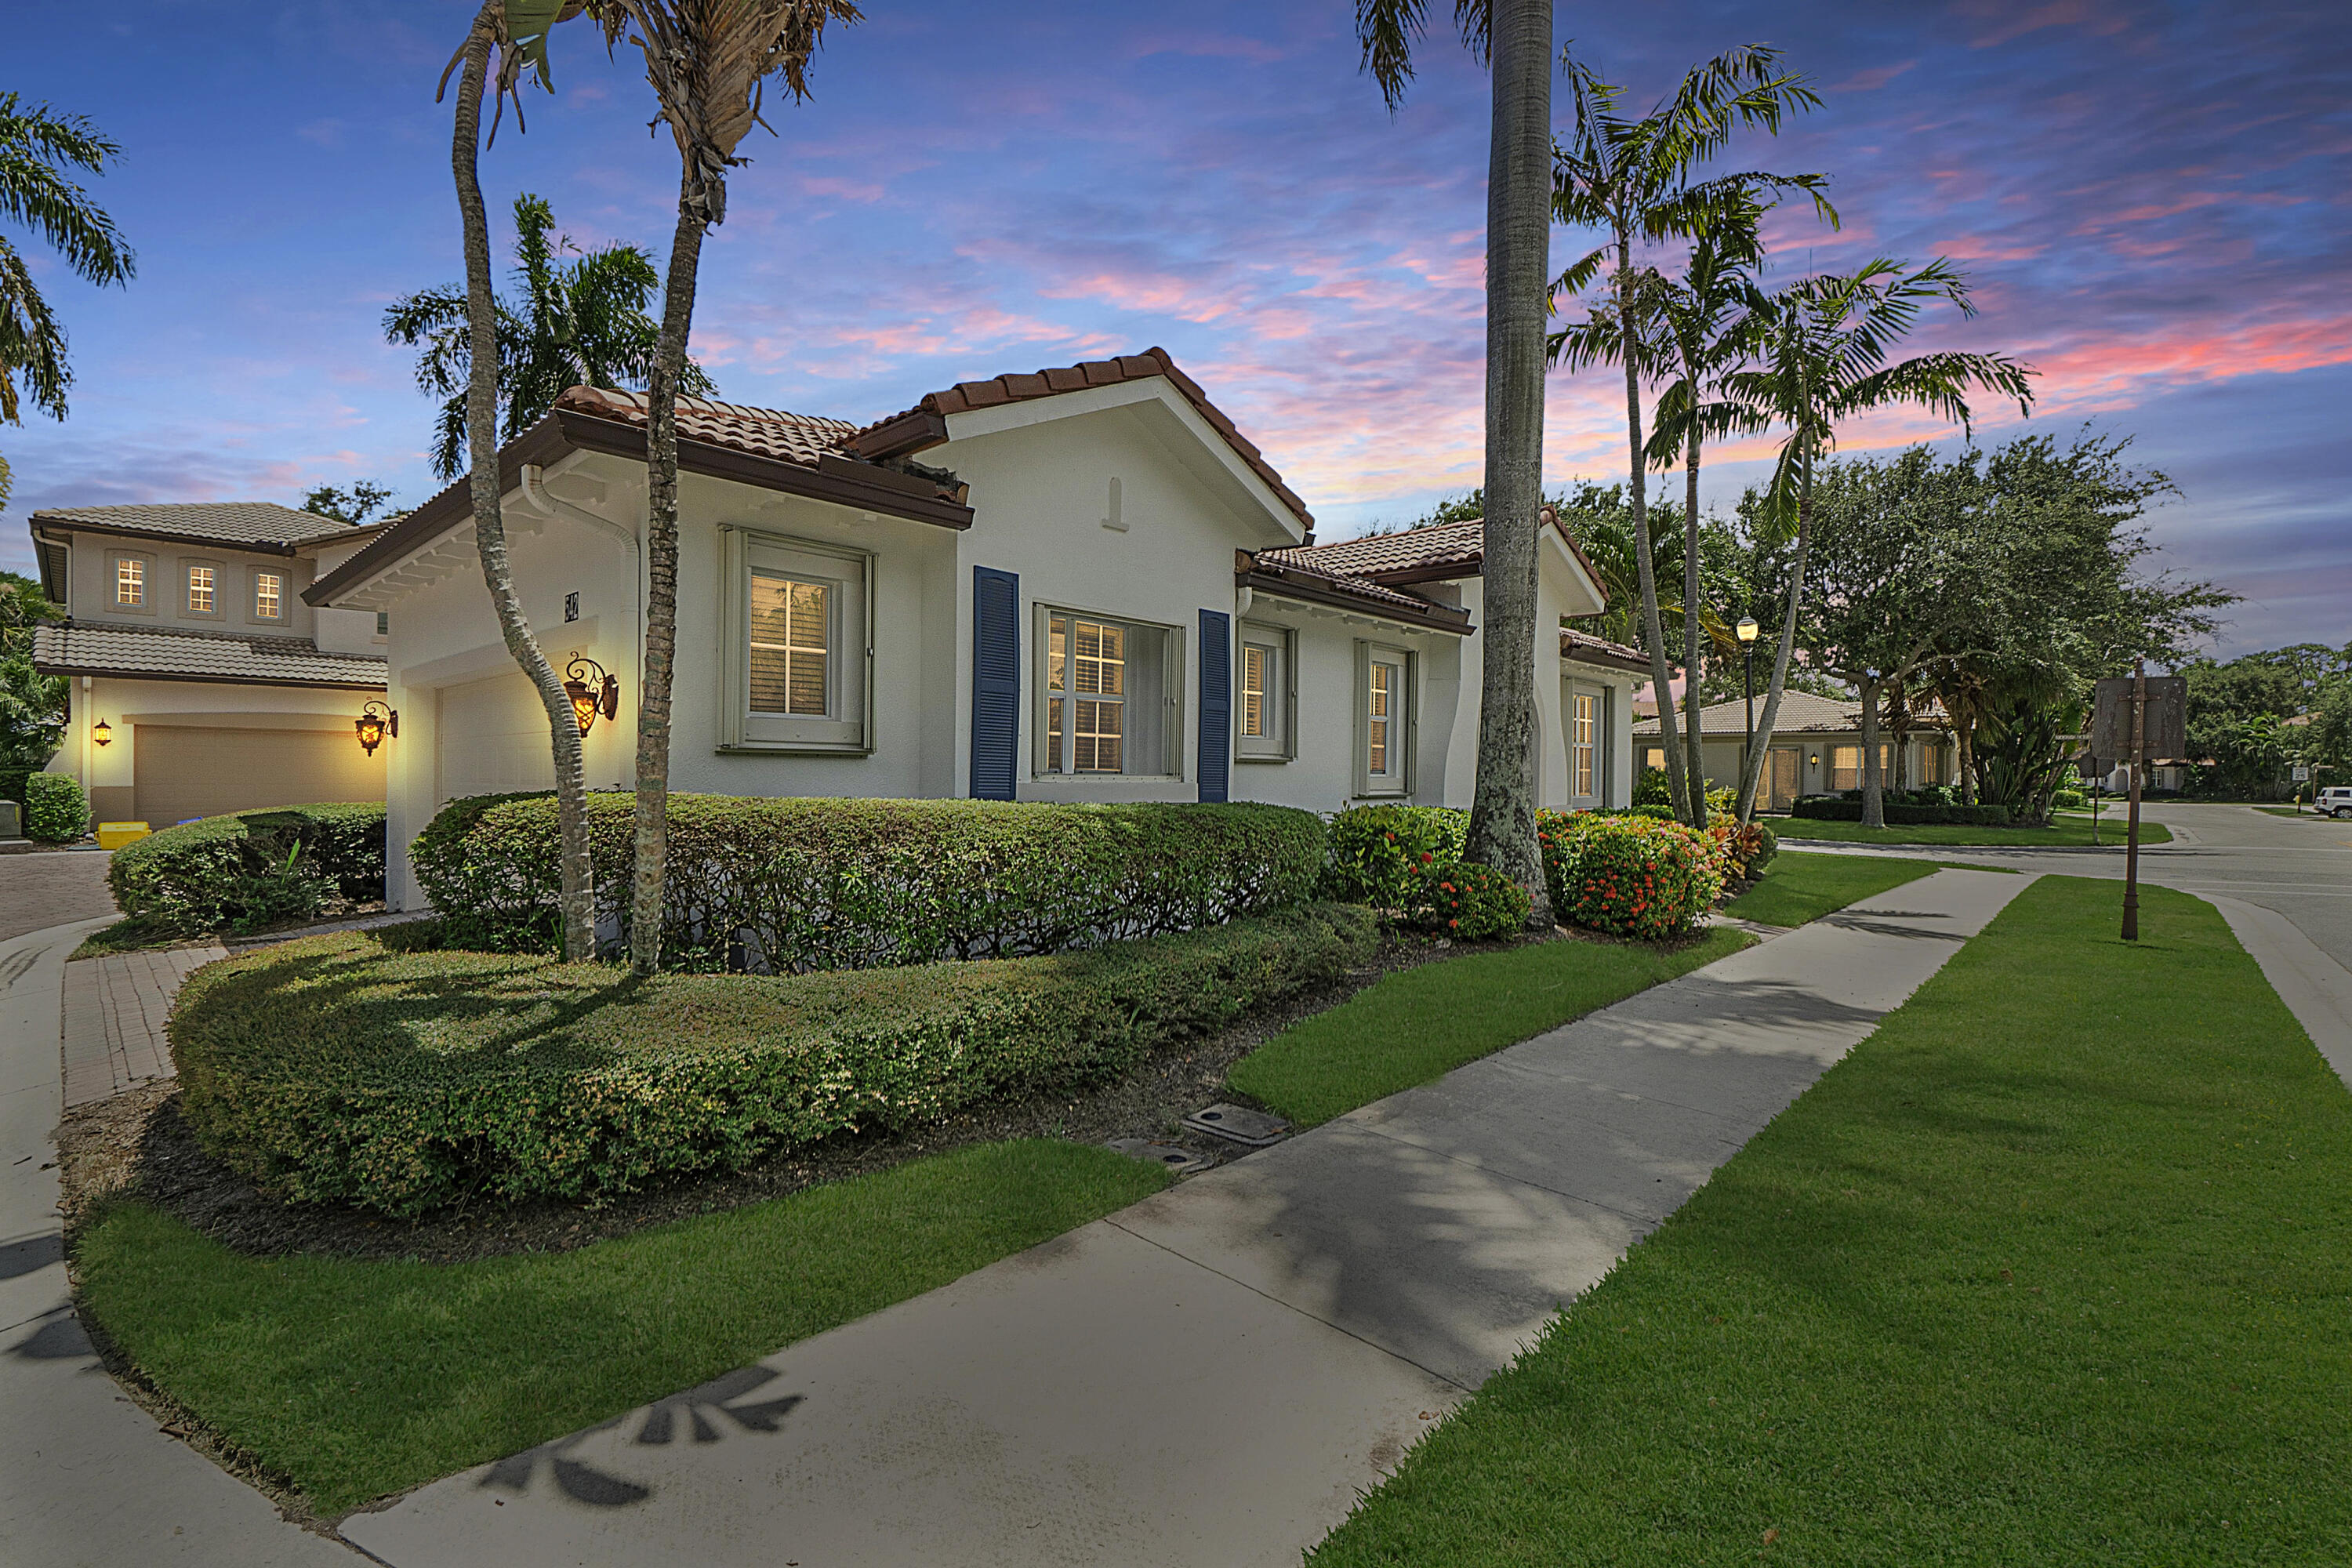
[
  {"x": 1815, "y": 748},
  {"x": 202, "y": 681},
  {"x": 1080, "y": 584}
]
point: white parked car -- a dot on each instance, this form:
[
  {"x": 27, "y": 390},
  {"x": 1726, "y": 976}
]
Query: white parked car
[{"x": 2335, "y": 800}]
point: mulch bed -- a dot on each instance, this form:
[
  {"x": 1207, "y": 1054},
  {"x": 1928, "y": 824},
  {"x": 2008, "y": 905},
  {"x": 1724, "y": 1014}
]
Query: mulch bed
[{"x": 137, "y": 1143}]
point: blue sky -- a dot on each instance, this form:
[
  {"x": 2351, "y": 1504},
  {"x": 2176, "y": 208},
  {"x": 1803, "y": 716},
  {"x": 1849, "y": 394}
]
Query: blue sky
[{"x": 2154, "y": 201}]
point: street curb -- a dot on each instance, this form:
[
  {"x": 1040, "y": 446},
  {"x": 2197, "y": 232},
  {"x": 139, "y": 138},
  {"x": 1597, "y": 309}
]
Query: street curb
[{"x": 2315, "y": 988}]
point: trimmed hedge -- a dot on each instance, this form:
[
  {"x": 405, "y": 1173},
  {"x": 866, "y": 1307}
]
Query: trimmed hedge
[
  {"x": 1633, "y": 876},
  {"x": 56, "y": 810},
  {"x": 342, "y": 1068},
  {"x": 1825, "y": 808},
  {"x": 785, "y": 886},
  {"x": 253, "y": 869},
  {"x": 1378, "y": 851},
  {"x": 1466, "y": 901}
]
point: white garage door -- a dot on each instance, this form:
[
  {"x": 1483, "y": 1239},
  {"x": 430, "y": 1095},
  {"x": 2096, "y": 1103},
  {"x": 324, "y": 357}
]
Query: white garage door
[
  {"x": 184, "y": 770},
  {"x": 492, "y": 739}
]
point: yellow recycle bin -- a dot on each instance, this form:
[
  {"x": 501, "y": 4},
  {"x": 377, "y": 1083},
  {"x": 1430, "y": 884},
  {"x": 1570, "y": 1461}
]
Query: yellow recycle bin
[{"x": 115, "y": 834}]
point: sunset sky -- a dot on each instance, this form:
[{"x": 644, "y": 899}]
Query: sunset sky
[{"x": 2154, "y": 201}]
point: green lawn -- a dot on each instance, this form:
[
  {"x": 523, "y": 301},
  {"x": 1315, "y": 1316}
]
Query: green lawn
[
  {"x": 1798, "y": 887},
  {"x": 2053, "y": 1270},
  {"x": 1418, "y": 1025},
  {"x": 358, "y": 1379},
  {"x": 2063, "y": 830}
]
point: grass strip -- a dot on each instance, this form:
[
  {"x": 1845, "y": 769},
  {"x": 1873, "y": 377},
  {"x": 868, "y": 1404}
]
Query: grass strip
[
  {"x": 1420, "y": 1024},
  {"x": 2060, "y": 833},
  {"x": 1797, "y": 887},
  {"x": 356, "y": 1379},
  {"x": 2053, "y": 1269}
]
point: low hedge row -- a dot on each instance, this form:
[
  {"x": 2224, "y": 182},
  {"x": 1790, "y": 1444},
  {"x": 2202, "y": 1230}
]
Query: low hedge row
[
  {"x": 1377, "y": 852},
  {"x": 256, "y": 869},
  {"x": 1466, "y": 901},
  {"x": 1823, "y": 808},
  {"x": 785, "y": 886},
  {"x": 371, "y": 1070}
]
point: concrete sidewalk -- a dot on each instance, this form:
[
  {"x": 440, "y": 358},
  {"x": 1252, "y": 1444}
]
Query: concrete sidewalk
[{"x": 1212, "y": 1376}]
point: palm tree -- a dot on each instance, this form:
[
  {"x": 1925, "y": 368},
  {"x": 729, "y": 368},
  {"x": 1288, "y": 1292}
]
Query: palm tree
[
  {"x": 37, "y": 147},
  {"x": 492, "y": 34},
  {"x": 1516, "y": 34},
  {"x": 1629, "y": 178},
  {"x": 579, "y": 323},
  {"x": 708, "y": 62},
  {"x": 1819, "y": 352}
]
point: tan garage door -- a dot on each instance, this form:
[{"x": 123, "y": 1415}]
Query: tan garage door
[
  {"x": 492, "y": 739},
  {"x": 184, "y": 770}
]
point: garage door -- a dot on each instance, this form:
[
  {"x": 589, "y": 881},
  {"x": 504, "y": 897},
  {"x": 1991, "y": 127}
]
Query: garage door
[
  {"x": 184, "y": 770},
  {"x": 492, "y": 739}
]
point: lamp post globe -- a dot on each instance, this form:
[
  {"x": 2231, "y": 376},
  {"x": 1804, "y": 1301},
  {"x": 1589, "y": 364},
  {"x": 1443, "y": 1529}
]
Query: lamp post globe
[{"x": 1747, "y": 630}]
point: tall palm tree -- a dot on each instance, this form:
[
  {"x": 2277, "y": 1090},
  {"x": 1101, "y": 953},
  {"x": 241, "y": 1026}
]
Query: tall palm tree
[
  {"x": 1629, "y": 177},
  {"x": 39, "y": 148},
  {"x": 492, "y": 34},
  {"x": 1517, "y": 34},
  {"x": 1820, "y": 349},
  {"x": 578, "y": 323},
  {"x": 708, "y": 62}
]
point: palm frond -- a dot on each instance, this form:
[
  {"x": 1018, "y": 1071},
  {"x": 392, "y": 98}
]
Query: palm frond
[
  {"x": 32, "y": 343},
  {"x": 36, "y": 144}
]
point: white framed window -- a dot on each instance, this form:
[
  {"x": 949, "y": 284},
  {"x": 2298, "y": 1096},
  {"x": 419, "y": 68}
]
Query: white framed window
[
  {"x": 200, "y": 589},
  {"x": 268, "y": 595},
  {"x": 131, "y": 575},
  {"x": 1265, "y": 684},
  {"x": 1384, "y": 720},
  {"x": 798, "y": 618},
  {"x": 1108, "y": 696},
  {"x": 1584, "y": 743}
]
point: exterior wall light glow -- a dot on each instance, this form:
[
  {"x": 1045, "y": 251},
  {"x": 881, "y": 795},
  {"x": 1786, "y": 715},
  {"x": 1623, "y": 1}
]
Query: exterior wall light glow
[
  {"x": 102, "y": 733},
  {"x": 592, "y": 690},
  {"x": 374, "y": 723}
]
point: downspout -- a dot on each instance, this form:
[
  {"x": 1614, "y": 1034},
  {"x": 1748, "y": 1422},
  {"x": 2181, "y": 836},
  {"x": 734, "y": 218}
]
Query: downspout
[{"x": 537, "y": 499}]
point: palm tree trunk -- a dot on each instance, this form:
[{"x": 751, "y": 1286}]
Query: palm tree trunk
[
  {"x": 1645, "y": 570},
  {"x": 1502, "y": 831},
  {"x": 1873, "y": 786},
  {"x": 1692, "y": 647},
  {"x": 652, "y": 834},
  {"x": 1754, "y": 769},
  {"x": 487, "y": 484}
]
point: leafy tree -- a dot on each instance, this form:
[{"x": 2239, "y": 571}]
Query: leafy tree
[
  {"x": 578, "y": 323},
  {"x": 1513, "y": 37},
  {"x": 39, "y": 148},
  {"x": 32, "y": 705},
  {"x": 354, "y": 506},
  {"x": 2326, "y": 741},
  {"x": 2236, "y": 713}
]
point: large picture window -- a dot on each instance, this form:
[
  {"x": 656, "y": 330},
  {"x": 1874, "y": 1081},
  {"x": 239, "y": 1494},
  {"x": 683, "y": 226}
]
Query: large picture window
[
  {"x": 1263, "y": 683},
  {"x": 1383, "y": 719},
  {"x": 1105, "y": 696},
  {"x": 800, "y": 645},
  {"x": 1845, "y": 766}
]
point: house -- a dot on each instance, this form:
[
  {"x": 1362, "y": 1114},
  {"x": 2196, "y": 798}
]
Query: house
[
  {"x": 202, "y": 681},
  {"x": 1080, "y": 584},
  {"x": 1816, "y": 748}
]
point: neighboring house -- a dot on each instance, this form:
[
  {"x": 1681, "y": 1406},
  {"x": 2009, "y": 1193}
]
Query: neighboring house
[
  {"x": 202, "y": 681},
  {"x": 1816, "y": 748},
  {"x": 1082, "y": 584}
]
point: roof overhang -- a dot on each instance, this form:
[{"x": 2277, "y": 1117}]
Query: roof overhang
[
  {"x": 843, "y": 481},
  {"x": 1308, "y": 588},
  {"x": 106, "y": 673},
  {"x": 1600, "y": 658}
]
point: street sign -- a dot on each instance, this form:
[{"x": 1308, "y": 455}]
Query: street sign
[
  {"x": 2303, "y": 773},
  {"x": 2165, "y": 729}
]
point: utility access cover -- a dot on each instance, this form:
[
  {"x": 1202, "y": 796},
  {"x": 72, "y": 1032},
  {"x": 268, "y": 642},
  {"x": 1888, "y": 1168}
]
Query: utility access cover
[
  {"x": 1255, "y": 1128},
  {"x": 1175, "y": 1156}
]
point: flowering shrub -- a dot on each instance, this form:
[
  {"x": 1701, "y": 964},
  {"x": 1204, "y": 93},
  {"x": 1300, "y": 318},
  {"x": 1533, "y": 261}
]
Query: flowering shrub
[
  {"x": 1633, "y": 876},
  {"x": 1466, "y": 901},
  {"x": 1377, "y": 851}
]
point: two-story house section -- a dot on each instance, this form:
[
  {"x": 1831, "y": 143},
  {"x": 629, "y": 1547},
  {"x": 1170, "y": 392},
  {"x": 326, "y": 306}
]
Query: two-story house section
[{"x": 202, "y": 682}]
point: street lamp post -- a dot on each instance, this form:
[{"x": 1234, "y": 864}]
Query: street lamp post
[{"x": 1747, "y": 652}]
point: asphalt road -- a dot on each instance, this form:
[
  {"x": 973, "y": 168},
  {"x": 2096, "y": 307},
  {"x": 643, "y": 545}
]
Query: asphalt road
[{"x": 50, "y": 887}]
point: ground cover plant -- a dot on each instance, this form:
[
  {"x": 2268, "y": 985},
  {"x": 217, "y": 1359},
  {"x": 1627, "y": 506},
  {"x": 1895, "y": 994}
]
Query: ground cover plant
[
  {"x": 1799, "y": 887},
  {"x": 2063, "y": 832},
  {"x": 2051, "y": 1270},
  {"x": 342, "y": 1068},
  {"x": 1419, "y": 1024},
  {"x": 354, "y": 1379},
  {"x": 825, "y": 883}
]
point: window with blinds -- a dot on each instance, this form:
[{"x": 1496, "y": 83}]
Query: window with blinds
[
  {"x": 1585, "y": 742},
  {"x": 1262, "y": 682},
  {"x": 792, "y": 647},
  {"x": 1086, "y": 695},
  {"x": 1383, "y": 719},
  {"x": 799, "y": 645}
]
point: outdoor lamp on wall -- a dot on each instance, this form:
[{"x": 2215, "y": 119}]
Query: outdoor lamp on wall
[
  {"x": 604, "y": 697},
  {"x": 374, "y": 723},
  {"x": 102, "y": 733}
]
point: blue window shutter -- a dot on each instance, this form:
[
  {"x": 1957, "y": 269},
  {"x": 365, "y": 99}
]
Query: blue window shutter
[
  {"x": 995, "y": 681},
  {"x": 1216, "y": 704}
]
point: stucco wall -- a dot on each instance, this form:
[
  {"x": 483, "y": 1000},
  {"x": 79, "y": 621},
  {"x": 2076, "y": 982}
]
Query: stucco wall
[{"x": 109, "y": 772}]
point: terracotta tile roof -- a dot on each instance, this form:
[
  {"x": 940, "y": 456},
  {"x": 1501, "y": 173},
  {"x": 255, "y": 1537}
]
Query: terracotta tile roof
[
  {"x": 1363, "y": 588},
  {"x": 1801, "y": 713},
  {"x": 167, "y": 653},
  {"x": 1573, "y": 643},
  {"x": 1415, "y": 550},
  {"x": 247, "y": 523},
  {"x": 880, "y": 439},
  {"x": 801, "y": 439}
]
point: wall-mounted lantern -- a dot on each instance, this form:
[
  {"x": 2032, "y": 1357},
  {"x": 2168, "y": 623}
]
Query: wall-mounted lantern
[
  {"x": 592, "y": 690},
  {"x": 1813, "y": 761},
  {"x": 102, "y": 733},
  {"x": 374, "y": 723}
]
